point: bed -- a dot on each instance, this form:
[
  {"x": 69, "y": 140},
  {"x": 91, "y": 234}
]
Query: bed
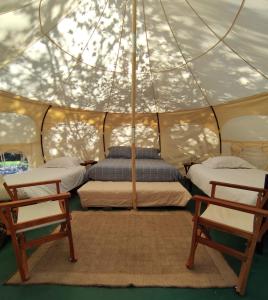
[
  {"x": 231, "y": 170},
  {"x": 149, "y": 166},
  {"x": 68, "y": 169},
  {"x": 109, "y": 181}
]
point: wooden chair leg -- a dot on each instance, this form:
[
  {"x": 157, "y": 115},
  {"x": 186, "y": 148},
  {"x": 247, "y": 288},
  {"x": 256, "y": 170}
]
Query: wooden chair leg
[
  {"x": 262, "y": 235},
  {"x": 244, "y": 271},
  {"x": 246, "y": 265},
  {"x": 70, "y": 238},
  {"x": 190, "y": 261},
  {"x": 23, "y": 254},
  {"x": 16, "y": 247}
]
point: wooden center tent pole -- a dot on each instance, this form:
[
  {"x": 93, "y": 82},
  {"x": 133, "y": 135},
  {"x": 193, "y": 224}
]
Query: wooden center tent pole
[{"x": 133, "y": 103}]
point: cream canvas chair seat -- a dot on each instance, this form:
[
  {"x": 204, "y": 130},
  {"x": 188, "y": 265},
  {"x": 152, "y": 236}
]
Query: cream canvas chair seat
[
  {"x": 229, "y": 217},
  {"x": 24, "y": 215},
  {"x": 247, "y": 221},
  {"x": 38, "y": 211}
]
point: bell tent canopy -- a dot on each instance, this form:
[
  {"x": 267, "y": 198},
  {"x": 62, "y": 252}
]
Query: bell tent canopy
[{"x": 201, "y": 77}]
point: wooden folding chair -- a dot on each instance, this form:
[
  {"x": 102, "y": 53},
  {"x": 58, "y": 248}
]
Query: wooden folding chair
[
  {"x": 249, "y": 222},
  {"x": 20, "y": 216}
]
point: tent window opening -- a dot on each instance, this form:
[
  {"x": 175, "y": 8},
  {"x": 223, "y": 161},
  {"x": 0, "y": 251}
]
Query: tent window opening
[{"x": 13, "y": 162}]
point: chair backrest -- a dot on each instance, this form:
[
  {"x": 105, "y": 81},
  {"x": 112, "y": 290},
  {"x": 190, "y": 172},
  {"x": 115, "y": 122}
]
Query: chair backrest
[
  {"x": 7, "y": 212},
  {"x": 12, "y": 190},
  {"x": 34, "y": 219},
  {"x": 33, "y": 213},
  {"x": 247, "y": 221}
]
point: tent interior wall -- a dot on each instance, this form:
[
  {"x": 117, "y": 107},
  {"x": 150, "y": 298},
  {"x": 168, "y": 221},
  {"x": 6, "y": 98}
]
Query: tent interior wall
[
  {"x": 185, "y": 135},
  {"x": 188, "y": 77}
]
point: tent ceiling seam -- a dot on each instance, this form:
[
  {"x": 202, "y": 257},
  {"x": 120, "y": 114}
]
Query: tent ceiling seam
[
  {"x": 247, "y": 62},
  {"x": 193, "y": 76},
  {"x": 43, "y": 34},
  {"x": 79, "y": 59},
  {"x": 226, "y": 34},
  {"x": 220, "y": 39},
  {"x": 230, "y": 28},
  {"x": 117, "y": 56},
  {"x": 18, "y": 8},
  {"x": 180, "y": 50},
  {"x": 120, "y": 72},
  {"x": 38, "y": 76},
  {"x": 149, "y": 55}
]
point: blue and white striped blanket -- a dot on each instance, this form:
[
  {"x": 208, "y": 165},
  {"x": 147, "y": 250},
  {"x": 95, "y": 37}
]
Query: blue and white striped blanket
[{"x": 119, "y": 169}]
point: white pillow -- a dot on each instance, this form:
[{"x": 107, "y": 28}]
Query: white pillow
[
  {"x": 62, "y": 162},
  {"x": 227, "y": 162}
]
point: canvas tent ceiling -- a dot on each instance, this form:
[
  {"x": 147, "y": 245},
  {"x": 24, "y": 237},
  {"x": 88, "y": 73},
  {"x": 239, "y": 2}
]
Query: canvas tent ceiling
[
  {"x": 202, "y": 65},
  {"x": 191, "y": 54}
]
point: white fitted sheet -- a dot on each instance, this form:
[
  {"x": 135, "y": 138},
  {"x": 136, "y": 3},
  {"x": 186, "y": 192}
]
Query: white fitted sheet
[
  {"x": 70, "y": 178},
  {"x": 201, "y": 176}
]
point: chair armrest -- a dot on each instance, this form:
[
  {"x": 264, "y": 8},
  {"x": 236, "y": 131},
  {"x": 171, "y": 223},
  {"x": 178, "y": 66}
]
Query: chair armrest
[
  {"x": 16, "y": 186},
  {"x": 238, "y": 186},
  {"x": 232, "y": 205},
  {"x": 19, "y": 203}
]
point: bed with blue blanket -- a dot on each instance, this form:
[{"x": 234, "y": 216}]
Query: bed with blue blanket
[
  {"x": 149, "y": 166},
  {"x": 119, "y": 169},
  {"x": 109, "y": 181}
]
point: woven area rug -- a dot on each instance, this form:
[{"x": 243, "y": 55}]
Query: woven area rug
[{"x": 129, "y": 248}]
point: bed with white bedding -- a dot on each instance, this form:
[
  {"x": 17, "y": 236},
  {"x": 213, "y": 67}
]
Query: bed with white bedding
[
  {"x": 67, "y": 170},
  {"x": 237, "y": 173}
]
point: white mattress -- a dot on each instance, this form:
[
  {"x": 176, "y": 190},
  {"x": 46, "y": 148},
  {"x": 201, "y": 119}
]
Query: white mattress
[
  {"x": 70, "y": 178},
  {"x": 201, "y": 176}
]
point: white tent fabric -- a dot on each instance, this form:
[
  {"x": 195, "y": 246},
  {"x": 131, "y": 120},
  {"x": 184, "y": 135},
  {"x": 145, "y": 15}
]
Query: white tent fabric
[
  {"x": 190, "y": 53},
  {"x": 202, "y": 78}
]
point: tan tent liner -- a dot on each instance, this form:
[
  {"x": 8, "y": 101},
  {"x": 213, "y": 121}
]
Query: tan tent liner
[{"x": 185, "y": 135}]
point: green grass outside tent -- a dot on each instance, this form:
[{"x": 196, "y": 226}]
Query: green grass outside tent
[{"x": 10, "y": 163}]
